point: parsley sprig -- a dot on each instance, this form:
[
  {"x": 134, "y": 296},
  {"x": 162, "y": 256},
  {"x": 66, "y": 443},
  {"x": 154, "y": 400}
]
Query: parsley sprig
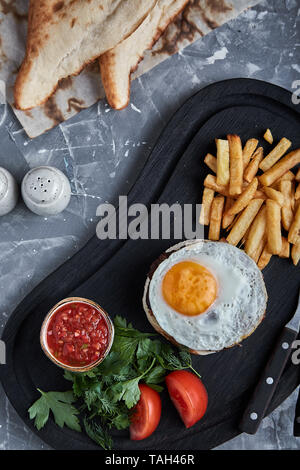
[
  {"x": 60, "y": 403},
  {"x": 106, "y": 395}
]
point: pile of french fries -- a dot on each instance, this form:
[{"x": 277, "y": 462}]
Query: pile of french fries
[{"x": 254, "y": 198}]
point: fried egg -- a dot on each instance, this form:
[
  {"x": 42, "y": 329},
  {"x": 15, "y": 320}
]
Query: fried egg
[{"x": 205, "y": 295}]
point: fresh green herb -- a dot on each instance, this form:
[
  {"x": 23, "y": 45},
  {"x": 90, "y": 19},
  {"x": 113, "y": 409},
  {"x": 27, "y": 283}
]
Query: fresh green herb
[
  {"x": 98, "y": 434},
  {"x": 107, "y": 394},
  {"x": 60, "y": 403}
]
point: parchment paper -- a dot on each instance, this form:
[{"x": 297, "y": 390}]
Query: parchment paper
[{"x": 76, "y": 93}]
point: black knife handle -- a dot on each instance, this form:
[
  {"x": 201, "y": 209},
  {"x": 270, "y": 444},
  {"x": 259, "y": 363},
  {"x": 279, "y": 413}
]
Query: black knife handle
[
  {"x": 268, "y": 382},
  {"x": 297, "y": 417}
]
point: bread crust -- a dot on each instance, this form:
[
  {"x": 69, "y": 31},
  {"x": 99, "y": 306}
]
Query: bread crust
[
  {"x": 151, "y": 317},
  {"x": 116, "y": 84},
  {"x": 60, "y": 41}
]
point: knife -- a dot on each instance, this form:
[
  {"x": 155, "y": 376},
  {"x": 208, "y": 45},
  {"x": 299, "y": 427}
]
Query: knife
[{"x": 269, "y": 379}]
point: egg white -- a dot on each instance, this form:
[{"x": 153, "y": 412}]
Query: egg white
[{"x": 237, "y": 310}]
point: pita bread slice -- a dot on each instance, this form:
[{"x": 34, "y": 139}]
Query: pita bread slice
[
  {"x": 117, "y": 64},
  {"x": 65, "y": 35}
]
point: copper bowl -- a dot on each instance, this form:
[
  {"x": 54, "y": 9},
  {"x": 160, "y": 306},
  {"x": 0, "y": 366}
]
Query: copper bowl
[{"x": 43, "y": 334}]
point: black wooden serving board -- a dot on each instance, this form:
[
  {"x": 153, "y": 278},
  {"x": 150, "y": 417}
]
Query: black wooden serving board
[{"x": 113, "y": 274}]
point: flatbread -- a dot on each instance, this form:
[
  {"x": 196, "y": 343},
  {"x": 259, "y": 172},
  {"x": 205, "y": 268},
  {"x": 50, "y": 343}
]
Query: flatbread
[
  {"x": 65, "y": 35},
  {"x": 117, "y": 64}
]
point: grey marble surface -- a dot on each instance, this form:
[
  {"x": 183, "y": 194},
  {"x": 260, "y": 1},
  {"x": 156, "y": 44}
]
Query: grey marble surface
[{"x": 102, "y": 152}]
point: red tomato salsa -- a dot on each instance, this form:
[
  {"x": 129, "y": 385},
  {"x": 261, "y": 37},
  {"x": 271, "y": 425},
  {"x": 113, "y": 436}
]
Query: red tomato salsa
[{"x": 77, "y": 334}]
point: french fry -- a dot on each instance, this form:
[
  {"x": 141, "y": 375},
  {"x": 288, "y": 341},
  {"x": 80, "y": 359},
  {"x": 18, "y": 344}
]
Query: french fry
[
  {"x": 227, "y": 219},
  {"x": 294, "y": 232},
  {"x": 275, "y": 195},
  {"x": 286, "y": 210},
  {"x": 285, "y": 164},
  {"x": 295, "y": 252},
  {"x": 232, "y": 223},
  {"x": 260, "y": 195},
  {"x": 256, "y": 255},
  {"x": 244, "y": 198},
  {"x": 244, "y": 221},
  {"x": 252, "y": 168},
  {"x": 264, "y": 258},
  {"x": 216, "y": 218},
  {"x": 244, "y": 239},
  {"x": 211, "y": 183},
  {"x": 285, "y": 249},
  {"x": 288, "y": 176},
  {"x": 243, "y": 214},
  {"x": 236, "y": 166},
  {"x": 248, "y": 150},
  {"x": 211, "y": 162},
  {"x": 256, "y": 233},
  {"x": 275, "y": 154},
  {"x": 207, "y": 199},
  {"x": 268, "y": 136},
  {"x": 293, "y": 200},
  {"x": 297, "y": 192},
  {"x": 222, "y": 161},
  {"x": 274, "y": 227}
]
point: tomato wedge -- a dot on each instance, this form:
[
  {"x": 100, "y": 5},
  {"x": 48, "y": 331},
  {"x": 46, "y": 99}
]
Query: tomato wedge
[
  {"x": 188, "y": 394},
  {"x": 146, "y": 415}
]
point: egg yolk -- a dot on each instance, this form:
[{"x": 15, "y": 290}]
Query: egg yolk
[{"x": 189, "y": 288}]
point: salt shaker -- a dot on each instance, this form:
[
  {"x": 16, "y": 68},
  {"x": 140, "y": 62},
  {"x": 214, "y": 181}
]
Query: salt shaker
[
  {"x": 46, "y": 190},
  {"x": 9, "y": 192}
]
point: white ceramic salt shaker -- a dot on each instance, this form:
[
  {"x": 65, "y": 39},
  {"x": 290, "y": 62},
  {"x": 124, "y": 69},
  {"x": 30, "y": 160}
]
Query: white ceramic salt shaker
[
  {"x": 46, "y": 190},
  {"x": 9, "y": 192}
]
